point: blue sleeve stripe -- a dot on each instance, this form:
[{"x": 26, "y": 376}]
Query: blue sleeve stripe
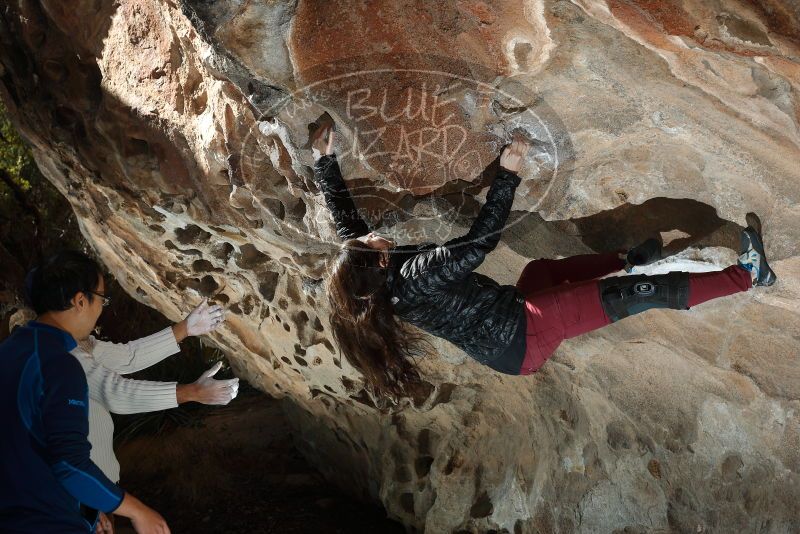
[
  {"x": 29, "y": 394},
  {"x": 86, "y": 488}
]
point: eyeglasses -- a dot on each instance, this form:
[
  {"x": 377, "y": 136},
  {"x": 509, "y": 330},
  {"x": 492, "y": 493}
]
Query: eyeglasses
[{"x": 106, "y": 300}]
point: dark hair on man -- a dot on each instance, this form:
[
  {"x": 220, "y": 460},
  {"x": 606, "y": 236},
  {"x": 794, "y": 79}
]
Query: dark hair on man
[{"x": 51, "y": 285}]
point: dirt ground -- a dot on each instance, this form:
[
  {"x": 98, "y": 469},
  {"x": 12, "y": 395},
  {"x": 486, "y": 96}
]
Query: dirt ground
[{"x": 239, "y": 473}]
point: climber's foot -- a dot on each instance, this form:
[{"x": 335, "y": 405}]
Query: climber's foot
[
  {"x": 643, "y": 254},
  {"x": 754, "y": 222},
  {"x": 754, "y": 259}
]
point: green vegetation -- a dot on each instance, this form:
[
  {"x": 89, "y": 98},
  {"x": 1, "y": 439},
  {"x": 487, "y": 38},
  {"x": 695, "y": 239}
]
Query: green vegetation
[
  {"x": 34, "y": 217},
  {"x": 15, "y": 157}
]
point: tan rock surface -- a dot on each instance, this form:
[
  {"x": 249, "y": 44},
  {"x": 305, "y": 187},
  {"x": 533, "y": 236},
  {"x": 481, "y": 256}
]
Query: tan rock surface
[{"x": 176, "y": 130}]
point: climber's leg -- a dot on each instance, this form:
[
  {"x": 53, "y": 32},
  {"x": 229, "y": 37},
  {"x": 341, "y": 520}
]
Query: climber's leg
[
  {"x": 560, "y": 296},
  {"x": 545, "y": 273},
  {"x": 707, "y": 286},
  {"x": 592, "y": 305},
  {"x": 544, "y": 328},
  {"x": 569, "y": 310},
  {"x": 572, "y": 307},
  {"x": 559, "y": 313},
  {"x": 622, "y": 296}
]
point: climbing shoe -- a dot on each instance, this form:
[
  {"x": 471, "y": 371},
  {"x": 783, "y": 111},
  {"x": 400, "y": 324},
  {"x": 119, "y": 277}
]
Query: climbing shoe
[
  {"x": 644, "y": 254},
  {"x": 753, "y": 258}
]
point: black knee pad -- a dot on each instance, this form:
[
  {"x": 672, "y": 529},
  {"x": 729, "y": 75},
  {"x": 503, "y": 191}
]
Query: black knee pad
[{"x": 623, "y": 296}]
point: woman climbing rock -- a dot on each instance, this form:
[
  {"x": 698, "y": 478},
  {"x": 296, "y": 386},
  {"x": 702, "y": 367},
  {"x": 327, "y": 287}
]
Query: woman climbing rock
[{"x": 377, "y": 289}]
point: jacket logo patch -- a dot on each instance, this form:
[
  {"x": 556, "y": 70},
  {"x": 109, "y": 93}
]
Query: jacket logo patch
[{"x": 73, "y": 402}]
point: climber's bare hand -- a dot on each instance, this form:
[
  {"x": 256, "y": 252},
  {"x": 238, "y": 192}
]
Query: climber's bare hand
[
  {"x": 323, "y": 140},
  {"x": 512, "y": 156}
]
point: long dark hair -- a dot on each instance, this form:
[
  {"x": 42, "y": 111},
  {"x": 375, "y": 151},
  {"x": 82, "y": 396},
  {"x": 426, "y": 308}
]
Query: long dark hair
[{"x": 369, "y": 334}]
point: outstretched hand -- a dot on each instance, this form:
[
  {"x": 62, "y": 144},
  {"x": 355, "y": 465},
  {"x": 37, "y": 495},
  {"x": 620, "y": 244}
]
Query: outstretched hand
[
  {"x": 204, "y": 319},
  {"x": 208, "y": 390},
  {"x": 513, "y": 154}
]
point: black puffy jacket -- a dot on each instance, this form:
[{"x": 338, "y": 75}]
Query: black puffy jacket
[{"x": 435, "y": 287}]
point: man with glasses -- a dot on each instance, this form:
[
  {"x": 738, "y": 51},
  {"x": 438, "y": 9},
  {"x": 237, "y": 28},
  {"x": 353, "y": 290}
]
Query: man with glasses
[
  {"x": 106, "y": 300},
  {"x": 47, "y": 481}
]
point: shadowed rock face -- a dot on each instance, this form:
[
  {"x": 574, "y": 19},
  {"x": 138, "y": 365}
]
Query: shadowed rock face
[{"x": 178, "y": 131}]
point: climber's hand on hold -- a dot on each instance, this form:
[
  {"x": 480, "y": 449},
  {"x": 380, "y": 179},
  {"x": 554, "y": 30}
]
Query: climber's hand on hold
[
  {"x": 329, "y": 146},
  {"x": 322, "y": 142},
  {"x": 513, "y": 154},
  {"x": 208, "y": 390}
]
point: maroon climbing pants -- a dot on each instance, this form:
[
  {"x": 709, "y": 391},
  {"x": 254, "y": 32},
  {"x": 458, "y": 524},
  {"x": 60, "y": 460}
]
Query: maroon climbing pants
[{"x": 562, "y": 299}]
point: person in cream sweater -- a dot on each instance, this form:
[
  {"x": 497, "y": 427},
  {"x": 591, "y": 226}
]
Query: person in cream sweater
[{"x": 109, "y": 392}]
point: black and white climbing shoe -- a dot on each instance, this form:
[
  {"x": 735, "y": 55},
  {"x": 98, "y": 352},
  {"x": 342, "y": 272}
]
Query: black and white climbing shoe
[
  {"x": 643, "y": 254},
  {"x": 753, "y": 258}
]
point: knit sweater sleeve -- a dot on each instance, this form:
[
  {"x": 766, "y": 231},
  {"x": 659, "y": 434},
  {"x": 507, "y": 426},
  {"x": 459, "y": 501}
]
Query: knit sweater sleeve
[
  {"x": 122, "y": 395},
  {"x": 125, "y": 358}
]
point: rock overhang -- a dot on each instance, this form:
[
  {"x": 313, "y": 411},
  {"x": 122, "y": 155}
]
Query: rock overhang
[{"x": 166, "y": 126}]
